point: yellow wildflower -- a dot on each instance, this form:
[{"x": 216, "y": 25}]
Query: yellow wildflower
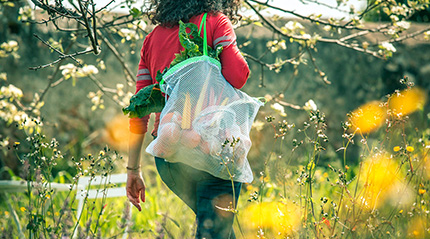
[
  {"x": 421, "y": 191},
  {"x": 278, "y": 217},
  {"x": 407, "y": 101},
  {"x": 22, "y": 209},
  {"x": 379, "y": 177},
  {"x": 396, "y": 149},
  {"x": 369, "y": 117},
  {"x": 416, "y": 228},
  {"x": 410, "y": 149}
]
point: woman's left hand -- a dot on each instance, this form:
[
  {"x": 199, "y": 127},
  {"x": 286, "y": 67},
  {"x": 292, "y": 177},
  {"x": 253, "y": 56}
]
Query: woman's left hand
[{"x": 135, "y": 189}]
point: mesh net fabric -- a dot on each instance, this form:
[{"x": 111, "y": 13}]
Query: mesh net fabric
[{"x": 202, "y": 114}]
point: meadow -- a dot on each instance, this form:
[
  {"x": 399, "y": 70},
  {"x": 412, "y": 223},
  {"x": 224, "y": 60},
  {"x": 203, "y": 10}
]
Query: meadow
[{"x": 300, "y": 190}]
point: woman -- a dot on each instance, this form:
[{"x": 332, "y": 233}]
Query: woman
[{"x": 202, "y": 192}]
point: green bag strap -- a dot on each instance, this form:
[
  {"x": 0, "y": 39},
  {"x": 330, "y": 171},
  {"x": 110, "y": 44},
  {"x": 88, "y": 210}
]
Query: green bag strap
[
  {"x": 205, "y": 42},
  {"x": 205, "y": 38}
]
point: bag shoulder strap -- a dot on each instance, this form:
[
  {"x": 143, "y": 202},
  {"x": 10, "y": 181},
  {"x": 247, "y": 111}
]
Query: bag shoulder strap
[{"x": 205, "y": 38}]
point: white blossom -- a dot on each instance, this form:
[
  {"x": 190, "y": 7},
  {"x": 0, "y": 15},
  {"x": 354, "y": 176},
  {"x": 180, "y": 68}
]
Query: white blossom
[
  {"x": 391, "y": 31},
  {"x": 73, "y": 71},
  {"x": 119, "y": 89},
  {"x": 258, "y": 125},
  {"x": 293, "y": 25},
  {"x": 68, "y": 70},
  {"x": 89, "y": 70},
  {"x": 276, "y": 45},
  {"x": 11, "y": 91},
  {"x": 307, "y": 36},
  {"x": 399, "y": 10},
  {"x": 26, "y": 13},
  {"x": 96, "y": 99},
  {"x": 279, "y": 108},
  {"x": 394, "y": 18},
  {"x": 4, "y": 142},
  {"x": 403, "y": 25},
  {"x": 327, "y": 28},
  {"x": 128, "y": 34},
  {"x": 3, "y": 76},
  {"x": 310, "y": 106},
  {"x": 9, "y": 46},
  {"x": 427, "y": 35},
  {"x": 388, "y": 46}
]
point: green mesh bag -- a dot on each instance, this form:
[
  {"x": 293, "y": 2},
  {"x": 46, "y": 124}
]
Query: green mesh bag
[{"x": 206, "y": 122}]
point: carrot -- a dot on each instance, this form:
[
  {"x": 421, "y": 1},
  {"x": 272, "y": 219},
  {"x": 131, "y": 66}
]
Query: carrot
[
  {"x": 186, "y": 113},
  {"x": 212, "y": 97},
  {"x": 224, "y": 102},
  {"x": 199, "y": 104}
]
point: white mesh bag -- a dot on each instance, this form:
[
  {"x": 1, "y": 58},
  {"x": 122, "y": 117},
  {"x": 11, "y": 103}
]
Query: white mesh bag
[{"x": 205, "y": 122}]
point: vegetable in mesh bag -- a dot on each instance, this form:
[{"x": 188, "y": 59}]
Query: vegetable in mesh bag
[{"x": 149, "y": 99}]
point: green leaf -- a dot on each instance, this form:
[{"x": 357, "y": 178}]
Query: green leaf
[{"x": 148, "y": 100}]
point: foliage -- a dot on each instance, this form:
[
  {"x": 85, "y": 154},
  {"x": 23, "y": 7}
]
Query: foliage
[
  {"x": 400, "y": 10},
  {"x": 148, "y": 100}
]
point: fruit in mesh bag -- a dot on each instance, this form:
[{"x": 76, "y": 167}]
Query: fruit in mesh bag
[
  {"x": 190, "y": 138},
  {"x": 174, "y": 117},
  {"x": 167, "y": 139},
  {"x": 205, "y": 147}
]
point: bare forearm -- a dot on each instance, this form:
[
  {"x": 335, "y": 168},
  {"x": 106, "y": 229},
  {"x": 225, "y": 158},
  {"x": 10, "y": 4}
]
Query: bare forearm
[{"x": 135, "y": 146}]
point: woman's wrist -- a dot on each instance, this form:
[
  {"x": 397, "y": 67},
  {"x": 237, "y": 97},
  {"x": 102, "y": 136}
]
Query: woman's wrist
[{"x": 133, "y": 169}]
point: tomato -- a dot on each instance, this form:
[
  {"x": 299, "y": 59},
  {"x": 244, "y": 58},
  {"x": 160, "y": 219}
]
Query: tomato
[
  {"x": 205, "y": 147},
  {"x": 167, "y": 139},
  {"x": 170, "y": 133},
  {"x": 163, "y": 150},
  {"x": 190, "y": 138},
  {"x": 174, "y": 117},
  {"x": 167, "y": 118}
]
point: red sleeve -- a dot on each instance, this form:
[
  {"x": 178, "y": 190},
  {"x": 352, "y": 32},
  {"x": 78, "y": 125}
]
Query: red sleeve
[
  {"x": 234, "y": 67},
  {"x": 140, "y": 125}
]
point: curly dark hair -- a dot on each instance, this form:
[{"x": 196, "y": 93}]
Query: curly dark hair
[{"x": 169, "y": 12}]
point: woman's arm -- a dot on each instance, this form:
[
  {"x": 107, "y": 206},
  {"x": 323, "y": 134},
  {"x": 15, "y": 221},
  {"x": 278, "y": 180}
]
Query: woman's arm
[
  {"x": 234, "y": 66},
  {"x": 135, "y": 185}
]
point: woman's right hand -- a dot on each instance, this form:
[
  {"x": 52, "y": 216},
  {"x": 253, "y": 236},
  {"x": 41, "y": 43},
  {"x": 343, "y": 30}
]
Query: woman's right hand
[{"x": 135, "y": 188}]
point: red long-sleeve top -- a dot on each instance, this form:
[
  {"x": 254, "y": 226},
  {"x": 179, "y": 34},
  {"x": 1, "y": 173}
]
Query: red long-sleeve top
[{"x": 160, "y": 46}]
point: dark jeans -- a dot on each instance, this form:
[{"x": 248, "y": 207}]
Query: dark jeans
[{"x": 203, "y": 193}]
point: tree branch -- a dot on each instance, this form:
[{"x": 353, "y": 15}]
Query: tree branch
[
  {"x": 61, "y": 57},
  {"x": 91, "y": 31},
  {"x": 129, "y": 76}
]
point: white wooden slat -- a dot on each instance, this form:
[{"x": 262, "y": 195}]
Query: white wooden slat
[
  {"x": 99, "y": 180},
  {"x": 94, "y": 193}
]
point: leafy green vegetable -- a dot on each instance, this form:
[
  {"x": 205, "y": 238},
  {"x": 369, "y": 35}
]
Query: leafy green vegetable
[{"x": 149, "y": 99}]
